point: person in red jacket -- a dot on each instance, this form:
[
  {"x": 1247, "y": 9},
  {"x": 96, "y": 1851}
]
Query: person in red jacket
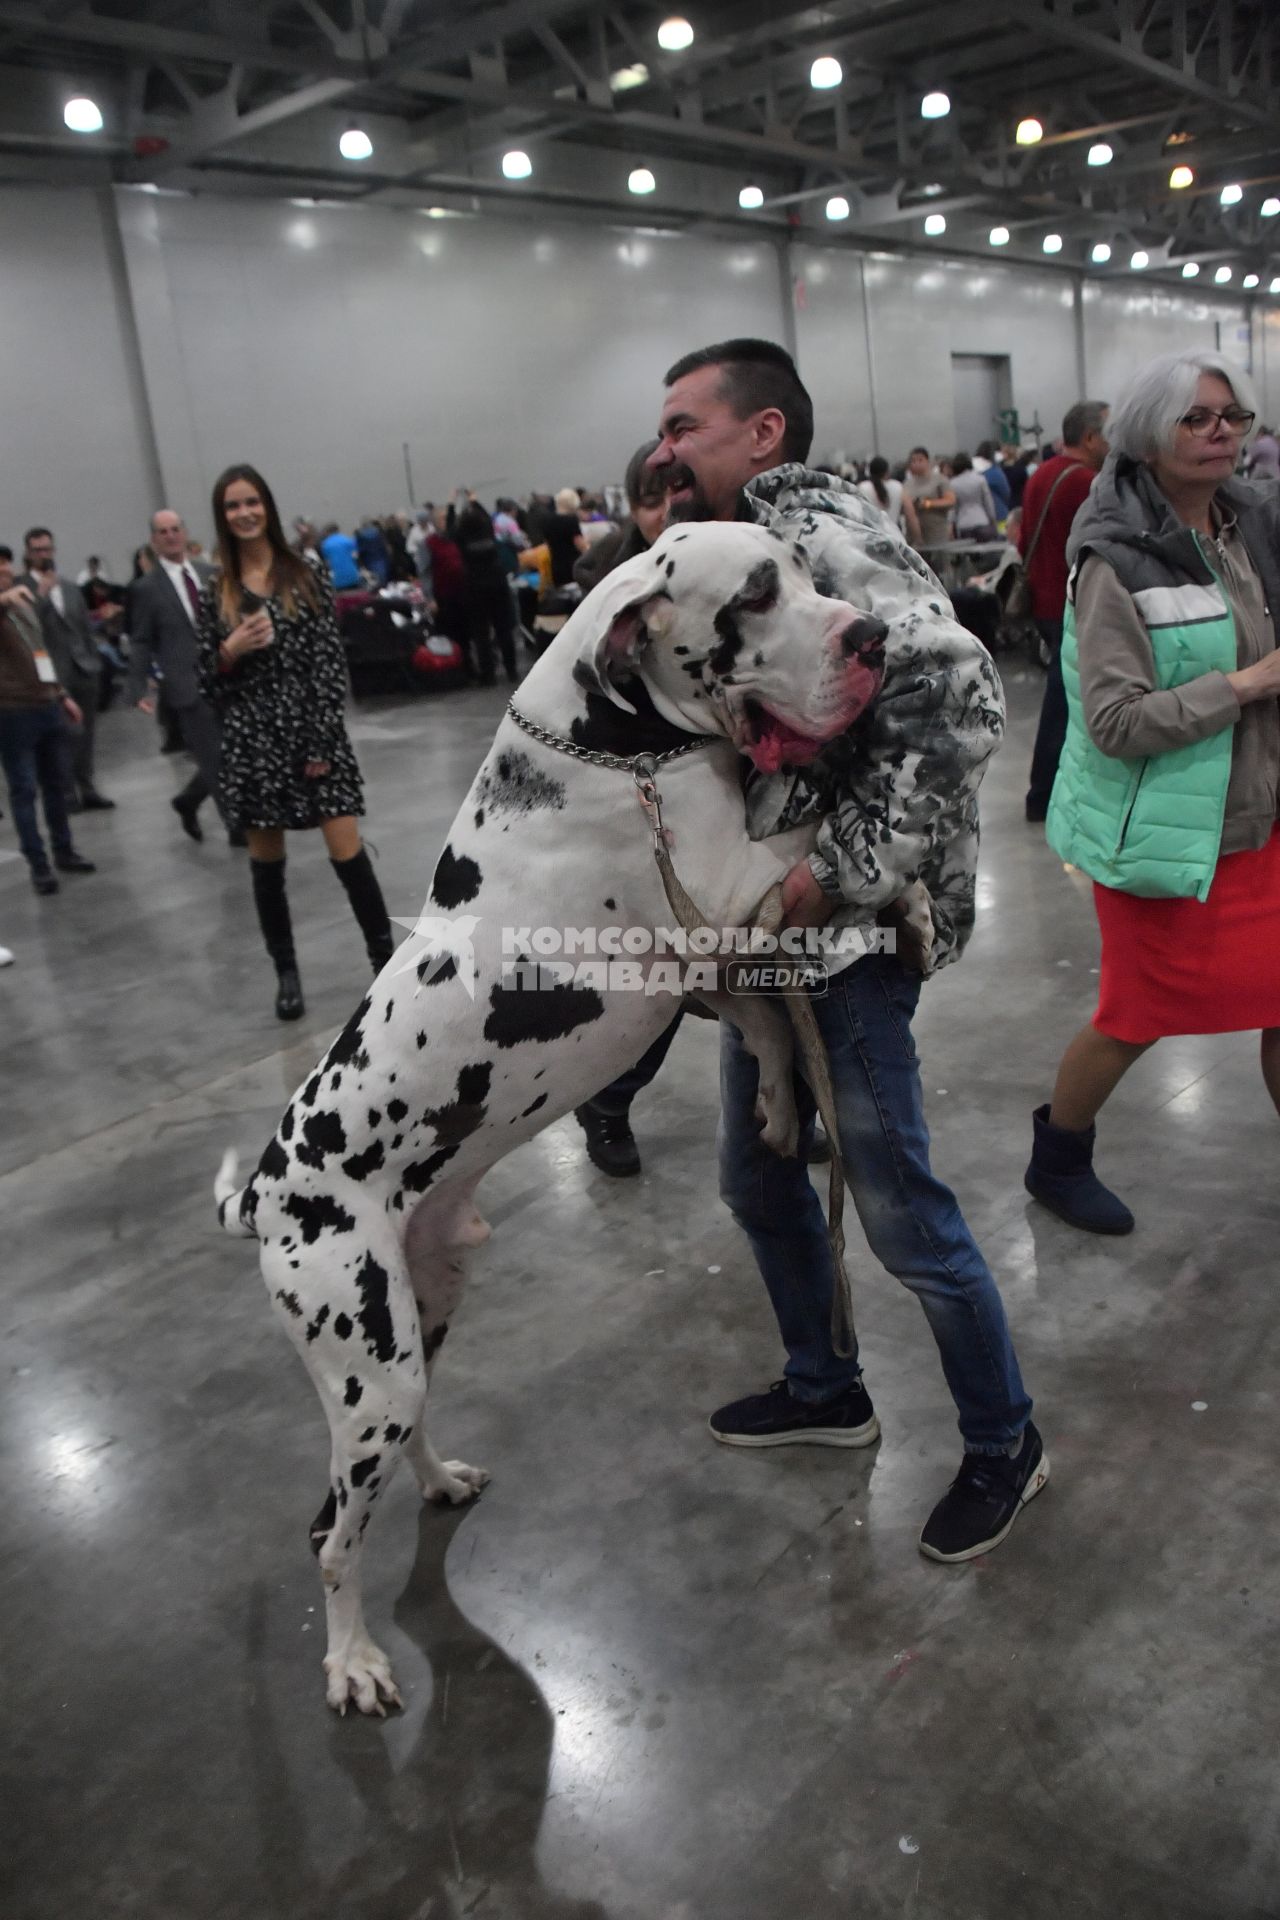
[{"x": 1054, "y": 495}]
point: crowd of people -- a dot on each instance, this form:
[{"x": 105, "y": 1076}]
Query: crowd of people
[{"x": 1152, "y": 568}]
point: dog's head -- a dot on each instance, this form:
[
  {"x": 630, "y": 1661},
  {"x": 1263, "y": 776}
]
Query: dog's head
[{"x": 723, "y": 626}]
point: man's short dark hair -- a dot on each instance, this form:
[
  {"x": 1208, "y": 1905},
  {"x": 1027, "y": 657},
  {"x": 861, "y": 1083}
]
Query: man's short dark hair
[
  {"x": 1087, "y": 416},
  {"x": 6, "y": 553},
  {"x": 915, "y": 450},
  {"x": 755, "y": 374},
  {"x": 36, "y": 533}
]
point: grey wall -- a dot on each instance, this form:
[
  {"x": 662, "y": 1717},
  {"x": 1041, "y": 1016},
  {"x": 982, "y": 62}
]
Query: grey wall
[{"x": 150, "y": 335}]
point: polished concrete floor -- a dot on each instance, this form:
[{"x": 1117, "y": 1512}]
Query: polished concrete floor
[{"x": 646, "y": 1678}]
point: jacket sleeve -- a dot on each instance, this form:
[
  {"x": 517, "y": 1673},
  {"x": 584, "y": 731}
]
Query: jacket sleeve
[
  {"x": 1126, "y": 717},
  {"x": 140, "y": 618},
  {"x": 217, "y": 686},
  {"x": 909, "y": 770}
]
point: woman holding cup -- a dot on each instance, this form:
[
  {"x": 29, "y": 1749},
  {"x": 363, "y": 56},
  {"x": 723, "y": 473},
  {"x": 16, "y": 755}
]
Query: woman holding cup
[{"x": 272, "y": 663}]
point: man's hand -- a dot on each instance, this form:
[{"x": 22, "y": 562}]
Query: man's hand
[
  {"x": 17, "y": 597},
  {"x": 804, "y": 904},
  {"x": 146, "y": 704},
  {"x": 46, "y": 582},
  {"x": 72, "y": 711}
]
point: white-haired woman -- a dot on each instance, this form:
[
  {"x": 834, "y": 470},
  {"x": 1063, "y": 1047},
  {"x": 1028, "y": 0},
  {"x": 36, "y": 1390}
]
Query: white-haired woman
[{"x": 1166, "y": 795}]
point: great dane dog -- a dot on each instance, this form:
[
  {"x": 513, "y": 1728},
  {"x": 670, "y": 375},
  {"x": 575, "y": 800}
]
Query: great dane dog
[{"x": 363, "y": 1203}]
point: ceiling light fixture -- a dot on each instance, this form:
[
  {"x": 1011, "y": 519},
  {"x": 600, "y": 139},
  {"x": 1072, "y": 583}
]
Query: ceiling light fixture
[
  {"x": 1181, "y": 177},
  {"x": 516, "y": 165},
  {"x": 998, "y": 237},
  {"x": 1101, "y": 253},
  {"x": 675, "y": 35},
  {"x": 1270, "y": 208},
  {"x": 1052, "y": 243},
  {"x": 1274, "y": 287},
  {"x": 1191, "y": 269},
  {"x": 1100, "y": 154},
  {"x": 355, "y": 144},
  {"x": 1250, "y": 280},
  {"x": 1231, "y": 196},
  {"x": 82, "y": 115},
  {"x": 628, "y": 77},
  {"x": 640, "y": 180},
  {"x": 1222, "y": 276},
  {"x": 1028, "y": 133},
  {"x": 837, "y": 207},
  {"x": 935, "y": 223},
  {"x": 1139, "y": 260},
  {"x": 826, "y": 72},
  {"x": 935, "y": 106},
  {"x": 749, "y": 198}
]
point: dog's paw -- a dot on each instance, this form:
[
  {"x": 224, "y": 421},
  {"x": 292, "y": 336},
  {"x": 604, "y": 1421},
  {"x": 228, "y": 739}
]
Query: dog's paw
[
  {"x": 779, "y": 1124},
  {"x": 363, "y": 1674},
  {"x": 463, "y": 1483}
]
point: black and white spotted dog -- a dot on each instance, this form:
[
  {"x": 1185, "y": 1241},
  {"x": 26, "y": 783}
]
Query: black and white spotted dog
[{"x": 363, "y": 1203}]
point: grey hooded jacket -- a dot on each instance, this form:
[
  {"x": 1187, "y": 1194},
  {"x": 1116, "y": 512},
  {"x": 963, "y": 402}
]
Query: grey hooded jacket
[{"x": 899, "y": 791}]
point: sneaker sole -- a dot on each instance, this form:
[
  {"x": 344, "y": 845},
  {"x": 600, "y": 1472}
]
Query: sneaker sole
[
  {"x": 863, "y": 1436},
  {"x": 1039, "y": 1479},
  {"x": 1081, "y": 1226}
]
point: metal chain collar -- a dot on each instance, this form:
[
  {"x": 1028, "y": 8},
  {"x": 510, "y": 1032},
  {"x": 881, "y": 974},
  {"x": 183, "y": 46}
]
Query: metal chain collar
[{"x": 621, "y": 763}]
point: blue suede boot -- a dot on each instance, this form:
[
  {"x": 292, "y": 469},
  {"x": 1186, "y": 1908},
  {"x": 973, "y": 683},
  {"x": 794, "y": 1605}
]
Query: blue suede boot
[{"x": 1061, "y": 1177}]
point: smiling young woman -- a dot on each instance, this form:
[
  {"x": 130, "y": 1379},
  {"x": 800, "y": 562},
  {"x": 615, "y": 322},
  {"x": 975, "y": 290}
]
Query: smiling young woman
[{"x": 272, "y": 662}]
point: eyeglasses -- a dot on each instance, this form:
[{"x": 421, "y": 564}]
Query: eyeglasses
[{"x": 1202, "y": 421}]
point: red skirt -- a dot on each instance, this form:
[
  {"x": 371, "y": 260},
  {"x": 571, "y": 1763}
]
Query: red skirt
[{"x": 1180, "y": 966}]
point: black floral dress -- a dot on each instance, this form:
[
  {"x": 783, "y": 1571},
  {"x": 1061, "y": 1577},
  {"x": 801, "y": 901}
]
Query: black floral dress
[{"x": 280, "y": 708}]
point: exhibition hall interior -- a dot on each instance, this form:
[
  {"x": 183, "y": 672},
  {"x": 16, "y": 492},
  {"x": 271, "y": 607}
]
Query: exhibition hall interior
[{"x": 639, "y": 892}]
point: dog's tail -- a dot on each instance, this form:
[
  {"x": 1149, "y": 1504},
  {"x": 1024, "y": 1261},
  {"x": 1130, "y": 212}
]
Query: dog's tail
[{"x": 230, "y": 1198}]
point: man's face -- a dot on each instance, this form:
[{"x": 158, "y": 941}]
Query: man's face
[
  {"x": 39, "y": 553},
  {"x": 1096, "y": 445},
  {"x": 705, "y": 454},
  {"x": 169, "y": 536},
  {"x": 6, "y": 573},
  {"x": 918, "y": 464}
]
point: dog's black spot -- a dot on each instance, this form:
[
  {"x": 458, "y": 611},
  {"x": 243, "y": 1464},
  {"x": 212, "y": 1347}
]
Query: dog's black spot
[
  {"x": 342, "y": 1496},
  {"x": 342, "y": 1326},
  {"x": 315, "y": 1214},
  {"x": 361, "y": 1165},
  {"x": 322, "y": 1525},
  {"x": 314, "y": 1326},
  {"x": 365, "y": 1519},
  {"x": 677, "y": 538},
  {"x": 286, "y": 1125},
  {"x": 387, "y": 1012},
  {"x": 365, "y": 1438},
  {"x": 680, "y": 650},
  {"x": 363, "y": 1468},
  {"x": 291, "y": 1301},
  {"x": 537, "y": 1076},
  {"x": 354, "y": 1393},
  {"x": 479, "y": 818},
  {"x": 605, "y": 728},
  {"x": 375, "y": 1309},
  {"x": 348, "y": 1049},
  {"x": 396, "y": 1110},
  {"x": 391, "y": 1432},
  {"x": 513, "y": 784},
  {"x": 760, "y": 585},
  {"x": 422, "y": 1041},
  {"x": 535, "y": 1006},
  {"x": 323, "y": 1134},
  {"x": 375, "y": 1116},
  {"x": 541, "y": 1101},
  {"x": 419, "y": 1174},
  {"x": 309, "y": 1092},
  {"x": 434, "y": 1341},
  {"x": 433, "y": 971},
  {"x": 396, "y": 1142},
  {"x": 671, "y": 567},
  {"x": 611, "y": 904},
  {"x": 457, "y": 880},
  {"x": 454, "y": 1122},
  {"x": 757, "y": 659},
  {"x": 274, "y": 1162}
]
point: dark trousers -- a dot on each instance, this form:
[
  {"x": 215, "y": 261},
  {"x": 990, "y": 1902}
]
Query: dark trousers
[
  {"x": 78, "y": 740},
  {"x": 616, "y": 1098},
  {"x": 1051, "y": 734},
  {"x": 491, "y": 615},
  {"x": 33, "y": 746},
  {"x": 202, "y": 739}
]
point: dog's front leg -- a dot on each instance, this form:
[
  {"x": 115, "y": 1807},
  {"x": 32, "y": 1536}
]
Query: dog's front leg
[{"x": 766, "y": 1030}]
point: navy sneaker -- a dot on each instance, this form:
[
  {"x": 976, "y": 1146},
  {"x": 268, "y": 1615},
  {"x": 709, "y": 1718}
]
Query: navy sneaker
[
  {"x": 984, "y": 1500},
  {"x": 778, "y": 1419}
]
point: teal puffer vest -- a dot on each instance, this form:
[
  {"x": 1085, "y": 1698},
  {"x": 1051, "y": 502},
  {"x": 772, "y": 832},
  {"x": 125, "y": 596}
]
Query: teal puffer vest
[{"x": 1150, "y": 827}]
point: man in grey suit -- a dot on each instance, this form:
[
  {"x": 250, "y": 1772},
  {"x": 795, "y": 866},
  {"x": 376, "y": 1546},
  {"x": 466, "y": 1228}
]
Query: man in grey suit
[
  {"x": 163, "y": 619},
  {"x": 73, "y": 648}
]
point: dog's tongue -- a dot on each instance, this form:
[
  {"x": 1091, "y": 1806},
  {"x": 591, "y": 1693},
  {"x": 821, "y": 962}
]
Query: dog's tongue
[{"x": 780, "y": 746}]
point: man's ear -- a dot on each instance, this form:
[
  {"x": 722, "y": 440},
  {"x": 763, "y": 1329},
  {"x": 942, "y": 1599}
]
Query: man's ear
[{"x": 614, "y": 624}]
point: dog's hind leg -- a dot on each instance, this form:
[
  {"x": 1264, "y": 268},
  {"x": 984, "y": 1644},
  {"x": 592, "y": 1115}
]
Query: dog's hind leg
[
  {"x": 441, "y": 1233},
  {"x": 356, "y": 1326}
]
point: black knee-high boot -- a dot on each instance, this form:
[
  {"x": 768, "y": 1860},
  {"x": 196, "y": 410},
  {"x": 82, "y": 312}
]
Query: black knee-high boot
[
  {"x": 369, "y": 907},
  {"x": 272, "y": 902}
]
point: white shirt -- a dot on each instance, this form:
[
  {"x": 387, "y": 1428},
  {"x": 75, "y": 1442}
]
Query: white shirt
[
  {"x": 180, "y": 571},
  {"x": 894, "y": 490},
  {"x": 59, "y": 599}
]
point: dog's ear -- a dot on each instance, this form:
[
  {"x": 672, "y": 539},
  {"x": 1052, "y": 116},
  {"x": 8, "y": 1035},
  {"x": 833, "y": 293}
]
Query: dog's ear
[{"x": 615, "y": 622}]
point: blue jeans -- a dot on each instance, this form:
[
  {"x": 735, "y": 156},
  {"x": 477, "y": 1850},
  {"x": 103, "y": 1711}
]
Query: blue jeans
[
  {"x": 911, "y": 1220},
  {"x": 33, "y": 745}
]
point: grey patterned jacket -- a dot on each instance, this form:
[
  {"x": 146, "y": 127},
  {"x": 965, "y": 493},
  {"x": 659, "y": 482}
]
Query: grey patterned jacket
[{"x": 899, "y": 791}]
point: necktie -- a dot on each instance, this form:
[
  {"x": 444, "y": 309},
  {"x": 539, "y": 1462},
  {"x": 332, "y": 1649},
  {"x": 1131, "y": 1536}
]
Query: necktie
[{"x": 193, "y": 594}]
